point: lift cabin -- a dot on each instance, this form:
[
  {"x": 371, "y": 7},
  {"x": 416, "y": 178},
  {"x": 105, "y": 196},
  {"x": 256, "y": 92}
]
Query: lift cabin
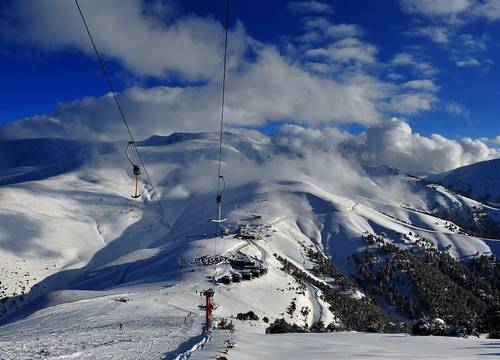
[{"x": 135, "y": 169}]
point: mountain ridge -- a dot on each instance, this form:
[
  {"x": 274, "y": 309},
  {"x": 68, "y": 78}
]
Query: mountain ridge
[{"x": 480, "y": 181}]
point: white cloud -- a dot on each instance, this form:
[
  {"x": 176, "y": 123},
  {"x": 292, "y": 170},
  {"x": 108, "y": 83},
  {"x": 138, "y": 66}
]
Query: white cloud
[
  {"x": 495, "y": 141},
  {"x": 349, "y": 55},
  {"x": 268, "y": 87},
  {"x": 398, "y": 146},
  {"x": 409, "y": 60},
  {"x": 271, "y": 88},
  {"x": 433, "y": 8},
  {"x": 472, "y": 44},
  {"x": 310, "y": 6},
  {"x": 346, "y": 51},
  {"x": 391, "y": 143},
  {"x": 467, "y": 63},
  {"x": 344, "y": 30},
  {"x": 329, "y": 29},
  {"x": 445, "y": 19},
  {"x": 489, "y": 9},
  {"x": 125, "y": 31},
  {"x": 326, "y": 140},
  {"x": 424, "y": 84},
  {"x": 394, "y": 76},
  {"x": 454, "y": 11},
  {"x": 265, "y": 86},
  {"x": 456, "y": 109},
  {"x": 403, "y": 59},
  {"x": 303, "y": 151},
  {"x": 412, "y": 103},
  {"x": 413, "y": 96},
  {"x": 438, "y": 34},
  {"x": 276, "y": 89},
  {"x": 321, "y": 67}
]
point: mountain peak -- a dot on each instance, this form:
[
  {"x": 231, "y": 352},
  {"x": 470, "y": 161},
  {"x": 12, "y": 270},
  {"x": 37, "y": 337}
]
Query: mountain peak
[{"x": 480, "y": 181}]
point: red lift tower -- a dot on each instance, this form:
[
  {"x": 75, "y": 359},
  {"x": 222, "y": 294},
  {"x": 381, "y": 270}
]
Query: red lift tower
[{"x": 209, "y": 294}]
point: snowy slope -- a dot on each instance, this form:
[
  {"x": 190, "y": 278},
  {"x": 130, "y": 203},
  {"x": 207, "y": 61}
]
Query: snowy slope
[
  {"x": 479, "y": 181},
  {"x": 74, "y": 243},
  {"x": 254, "y": 345}
]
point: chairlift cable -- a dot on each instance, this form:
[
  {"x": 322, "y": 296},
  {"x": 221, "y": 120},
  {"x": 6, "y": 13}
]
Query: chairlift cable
[
  {"x": 122, "y": 115},
  {"x": 223, "y": 96},
  {"x": 220, "y": 177},
  {"x": 126, "y": 153}
]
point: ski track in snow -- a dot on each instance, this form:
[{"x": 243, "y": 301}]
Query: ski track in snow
[
  {"x": 321, "y": 309},
  {"x": 90, "y": 329}
]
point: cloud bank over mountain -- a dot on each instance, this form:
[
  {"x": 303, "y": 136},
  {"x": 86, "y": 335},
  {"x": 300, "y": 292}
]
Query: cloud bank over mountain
[
  {"x": 327, "y": 76},
  {"x": 392, "y": 143}
]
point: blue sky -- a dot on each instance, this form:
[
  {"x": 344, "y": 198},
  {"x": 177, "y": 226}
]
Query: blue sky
[{"x": 435, "y": 62}]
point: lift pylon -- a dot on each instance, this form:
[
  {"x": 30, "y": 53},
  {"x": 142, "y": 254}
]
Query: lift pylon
[{"x": 209, "y": 294}]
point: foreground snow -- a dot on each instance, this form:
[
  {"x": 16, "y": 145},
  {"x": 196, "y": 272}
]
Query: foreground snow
[{"x": 359, "y": 346}]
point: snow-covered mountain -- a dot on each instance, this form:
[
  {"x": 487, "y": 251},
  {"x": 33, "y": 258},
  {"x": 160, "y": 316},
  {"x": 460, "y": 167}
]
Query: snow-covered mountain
[
  {"x": 83, "y": 260},
  {"x": 480, "y": 181}
]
